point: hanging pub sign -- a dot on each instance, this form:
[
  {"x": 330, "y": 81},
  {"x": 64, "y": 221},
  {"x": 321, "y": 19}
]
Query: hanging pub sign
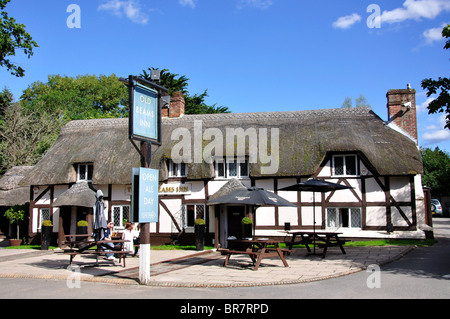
[
  {"x": 145, "y": 115},
  {"x": 144, "y": 188}
]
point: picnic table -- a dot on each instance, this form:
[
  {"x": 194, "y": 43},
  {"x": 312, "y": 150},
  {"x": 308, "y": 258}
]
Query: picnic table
[
  {"x": 80, "y": 246},
  {"x": 322, "y": 239},
  {"x": 256, "y": 249}
]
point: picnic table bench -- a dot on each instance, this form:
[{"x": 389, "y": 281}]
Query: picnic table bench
[
  {"x": 256, "y": 249},
  {"x": 84, "y": 247},
  {"x": 322, "y": 239}
]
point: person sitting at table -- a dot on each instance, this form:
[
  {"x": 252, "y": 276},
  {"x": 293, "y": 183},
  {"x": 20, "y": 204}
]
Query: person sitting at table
[
  {"x": 108, "y": 234},
  {"x": 128, "y": 234}
]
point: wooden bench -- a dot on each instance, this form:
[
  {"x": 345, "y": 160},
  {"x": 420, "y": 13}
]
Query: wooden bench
[
  {"x": 122, "y": 254},
  {"x": 85, "y": 248}
]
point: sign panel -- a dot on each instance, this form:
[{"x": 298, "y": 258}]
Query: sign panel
[
  {"x": 175, "y": 189},
  {"x": 145, "y": 195},
  {"x": 144, "y": 113}
]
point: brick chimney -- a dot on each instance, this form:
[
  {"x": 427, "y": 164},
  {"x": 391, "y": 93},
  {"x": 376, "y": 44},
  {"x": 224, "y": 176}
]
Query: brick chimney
[
  {"x": 401, "y": 106},
  {"x": 176, "y": 108}
]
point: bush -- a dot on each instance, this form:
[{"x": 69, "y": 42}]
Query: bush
[
  {"x": 82, "y": 223},
  {"x": 199, "y": 221},
  {"x": 47, "y": 223},
  {"x": 247, "y": 221}
]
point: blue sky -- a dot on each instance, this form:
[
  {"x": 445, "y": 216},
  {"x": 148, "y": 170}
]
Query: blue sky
[{"x": 251, "y": 55}]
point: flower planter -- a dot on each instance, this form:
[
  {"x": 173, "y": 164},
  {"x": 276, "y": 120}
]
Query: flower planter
[
  {"x": 200, "y": 237},
  {"x": 15, "y": 242},
  {"x": 46, "y": 236}
]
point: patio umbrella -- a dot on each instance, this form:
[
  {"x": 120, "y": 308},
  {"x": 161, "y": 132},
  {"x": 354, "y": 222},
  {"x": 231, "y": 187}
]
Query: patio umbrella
[
  {"x": 253, "y": 196},
  {"x": 99, "y": 217},
  {"x": 315, "y": 185}
]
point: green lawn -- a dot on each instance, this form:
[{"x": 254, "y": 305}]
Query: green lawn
[{"x": 381, "y": 242}]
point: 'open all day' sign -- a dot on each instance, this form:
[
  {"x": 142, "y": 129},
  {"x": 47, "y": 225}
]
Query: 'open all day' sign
[{"x": 145, "y": 195}]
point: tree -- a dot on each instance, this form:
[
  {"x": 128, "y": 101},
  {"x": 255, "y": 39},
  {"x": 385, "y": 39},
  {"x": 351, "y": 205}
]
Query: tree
[
  {"x": 194, "y": 104},
  {"x": 442, "y": 102},
  {"x": 13, "y": 36},
  {"x": 347, "y": 102},
  {"x": 25, "y": 136},
  {"x": 361, "y": 101},
  {"x": 79, "y": 98},
  {"x": 436, "y": 166}
]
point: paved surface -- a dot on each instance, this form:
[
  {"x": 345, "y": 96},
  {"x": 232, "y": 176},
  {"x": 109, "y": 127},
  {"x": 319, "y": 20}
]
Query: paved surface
[{"x": 173, "y": 268}]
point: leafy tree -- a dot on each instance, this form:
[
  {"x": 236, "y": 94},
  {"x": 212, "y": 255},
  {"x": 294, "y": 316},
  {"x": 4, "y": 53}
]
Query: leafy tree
[
  {"x": 361, "y": 101},
  {"x": 436, "y": 165},
  {"x": 13, "y": 36},
  {"x": 347, "y": 102},
  {"x": 25, "y": 136},
  {"x": 79, "y": 98},
  {"x": 442, "y": 102},
  {"x": 194, "y": 104}
]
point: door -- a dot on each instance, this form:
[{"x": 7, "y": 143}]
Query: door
[{"x": 235, "y": 215}]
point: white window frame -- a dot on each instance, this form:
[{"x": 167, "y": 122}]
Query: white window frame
[
  {"x": 226, "y": 162},
  {"x": 339, "y": 217},
  {"x": 121, "y": 208},
  {"x": 185, "y": 217},
  {"x": 175, "y": 169},
  {"x": 41, "y": 219},
  {"x": 344, "y": 173},
  {"x": 86, "y": 169}
]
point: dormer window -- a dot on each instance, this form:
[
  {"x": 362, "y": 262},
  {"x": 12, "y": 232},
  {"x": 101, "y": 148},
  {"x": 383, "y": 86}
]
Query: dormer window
[
  {"x": 84, "y": 172},
  {"x": 177, "y": 169},
  {"x": 345, "y": 165},
  {"x": 231, "y": 168}
]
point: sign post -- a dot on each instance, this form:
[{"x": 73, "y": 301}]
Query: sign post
[{"x": 145, "y": 126}]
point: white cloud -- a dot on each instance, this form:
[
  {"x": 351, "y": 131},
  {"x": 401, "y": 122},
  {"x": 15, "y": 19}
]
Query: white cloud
[
  {"x": 434, "y": 34},
  {"x": 423, "y": 107},
  {"x": 190, "y": 3},
  {"x": 129, "y": 8},
  {"x": 347, "y": 21},
  {"x": 416, "y": 9},
  {"x": 260, "y": 4},
  {"x": 437, "y": 133}
]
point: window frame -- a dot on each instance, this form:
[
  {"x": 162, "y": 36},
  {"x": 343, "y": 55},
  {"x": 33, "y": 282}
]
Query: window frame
[
  {"x": 86, "y": 170},
  {"x": 339, "y": 217},
  {"x": 178, "y": 168},
  {"x": 225, "y": 163},
  {"x": 113, "y": 217},
  {"x": 344, "y": 165},
  {"x": 41, "y": 219},
  {"x": 185, "y": 220}
]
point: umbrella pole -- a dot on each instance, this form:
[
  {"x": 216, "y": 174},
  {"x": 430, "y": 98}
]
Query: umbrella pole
[{"x": 314, "y": 222}]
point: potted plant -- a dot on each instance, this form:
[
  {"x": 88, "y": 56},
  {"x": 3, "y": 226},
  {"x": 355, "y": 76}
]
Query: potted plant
[
  {"x": 15, "y": 214},
  {"x": 247, "y": 227},
  {"x": 46, "y": 234},
  {"x": 199, "y": 228},
  {"x": 82, "y": 227}
]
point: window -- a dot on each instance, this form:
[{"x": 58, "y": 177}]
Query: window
[
  {"x": 44, "y": 214},
  {"x": 231, "y": 168},
  {"x": 344, "y": 165},
  {"x": 84, "y": 172},
  {"x": 120, "y": 214},
  {"x": 191, "y": 212},
  {"x": 343, "y": 217},
  {"x": 177, "y": 169}
]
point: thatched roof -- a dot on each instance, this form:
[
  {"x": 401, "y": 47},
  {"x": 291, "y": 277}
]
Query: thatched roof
[
  {"x": 103, "y": 142},
  {"x": 80, "y": 194},
  {"x": 11, "y": 193},
  {"x": 306, "y": 137},
  {"x": 231, "y": 186}
]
